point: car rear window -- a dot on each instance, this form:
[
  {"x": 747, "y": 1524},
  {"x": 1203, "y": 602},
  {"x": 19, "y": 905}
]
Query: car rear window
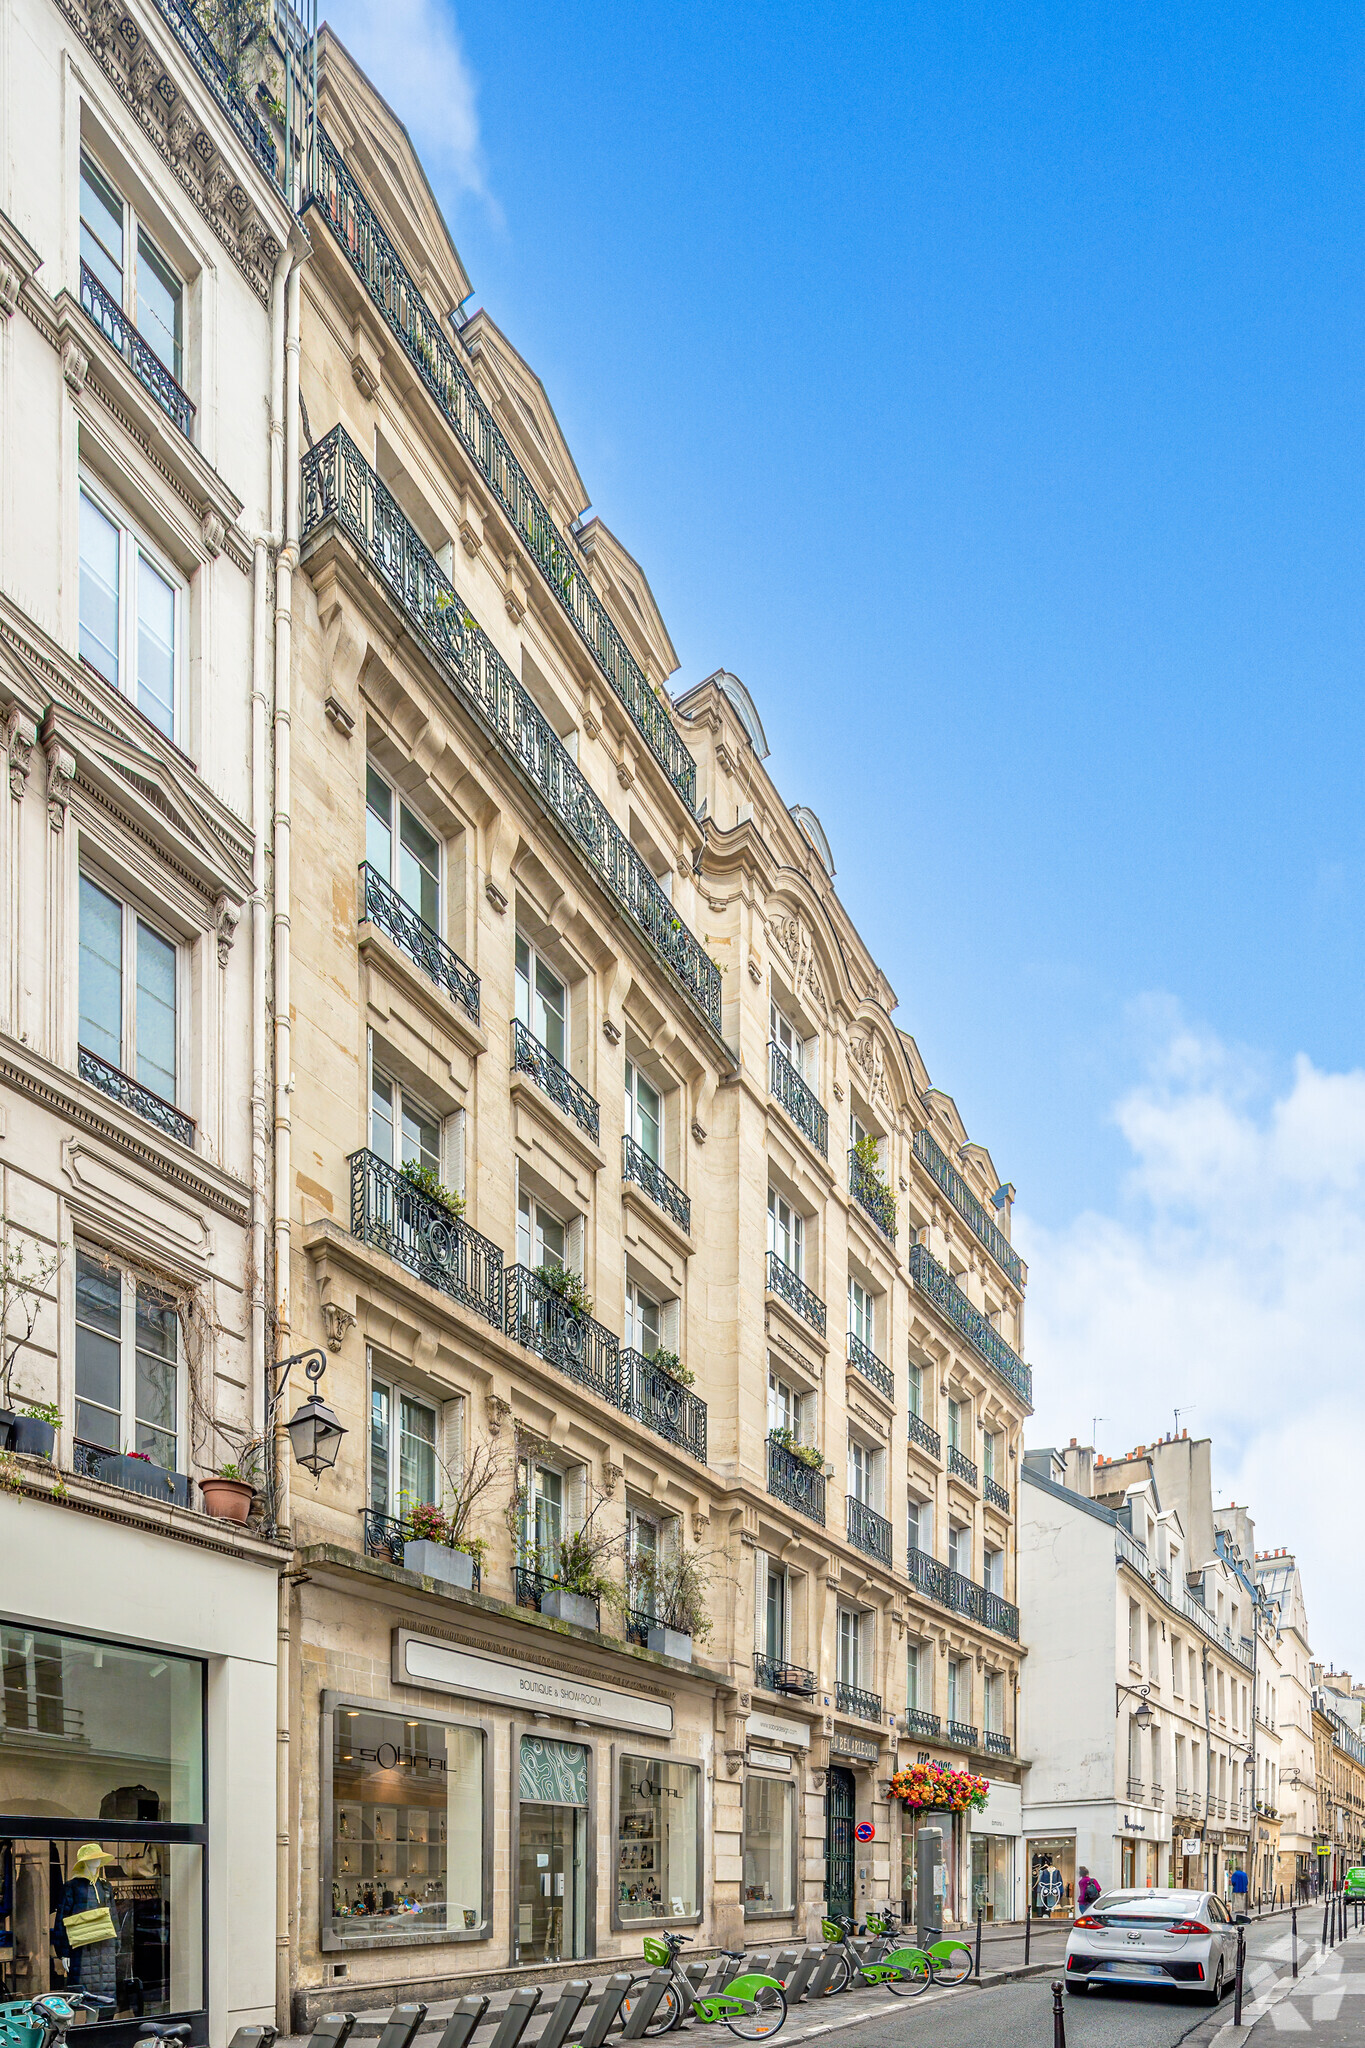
[{"x": 1149, "y": 1906}]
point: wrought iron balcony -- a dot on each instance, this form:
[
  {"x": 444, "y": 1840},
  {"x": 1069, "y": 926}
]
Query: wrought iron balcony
[
  {"x": 131, "y": 1471},
  {"x": 1135, "y": 1788},
  {"x": 561, "y": 1334},
  {"x": 655, "y": 1398},
  {"x": 437, "y": 360},
  {"x": 777, "y": 1676},
  {"x": 919, "y": 1722},
  {"x": 792, "y": 1289},
  {"x": 531, "y": 1585},
  {"x": 386, "y": 1536},
  {"x": 382, "y": 906},
  {"x": 997, "y": 1495},
  {"x": 952, "y": 1304},
  {"x": 646, "y": 1173},
  {"x": 864, "y": 1360},
  {"x": 997, "y": 1612},
  {"x": 940, "y": 1168},
  {"x": 998, "y": 1745},
  {"x": 851, "y": 1699},
  {"x": 951, "y": 1589},
  {"x": 927, "y": 1439},
  {"x": 130, "y": 1094},
  {"x": 869, "y": 1531},
  {"x": 961, "y": 1466},
  {"x": 964, "y": 1733},
  {"x": 529, "y": 1056},
  {"x": 872, "y": 1195},
  {"x": 194, "y": 39},
  {"x": 388, "y": 1212},
  {"x": 338, "y": 484},
  {"x": 638, "y": 1626},
  {"x": 117, "y": 329},
  {"x": 801, "y": 1103},
  {"x": 792, "y": 1480}
]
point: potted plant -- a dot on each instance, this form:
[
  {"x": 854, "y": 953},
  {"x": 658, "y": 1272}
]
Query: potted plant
[
  {"x": 24, "y": 1285},
  {"x": 670, "y": 1363},
  {"x": 441, "y": 1546},
  {"x": 809, "y": 1455},
  {"x": 567, "y": 1285},
  {"x": 34, "y": 1430},
  {"x": 429, "y": 1183},
  {"x": 229, "y": 1493},
  {"x": 581, "y": 1582},
  {"x": 138, "y": 1472},
  {"x": 430, "y": 1552},
  {"x": 672, "y": 1589},
  {"x": 940, "y": 1786}
]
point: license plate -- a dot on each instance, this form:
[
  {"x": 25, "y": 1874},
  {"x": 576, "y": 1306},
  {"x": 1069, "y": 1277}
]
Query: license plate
[{"x": 1140, "y": 1969}]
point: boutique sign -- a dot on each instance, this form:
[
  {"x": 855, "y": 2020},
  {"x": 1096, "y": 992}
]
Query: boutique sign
[{"x": 419, "y": 1660}]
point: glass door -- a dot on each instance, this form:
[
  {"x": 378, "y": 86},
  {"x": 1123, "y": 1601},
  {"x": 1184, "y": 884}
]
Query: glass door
[
  {"x": 551, "y": 1917},
  {"x": 839, "y": 1812}
]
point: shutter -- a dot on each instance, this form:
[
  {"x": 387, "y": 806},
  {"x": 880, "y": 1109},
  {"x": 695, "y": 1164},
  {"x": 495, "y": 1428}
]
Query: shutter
[
  {"x": 760, "y": 1600},
  {"x": 573, "y": 1244},
  {"x": 453, "y": 1137},
  {"x": 452, "y": 1444},
  {"x": 670, "y": 1326}
]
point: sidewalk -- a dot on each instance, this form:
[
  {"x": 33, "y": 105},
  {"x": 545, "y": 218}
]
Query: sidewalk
[{"x": 1326, "y": 2000}]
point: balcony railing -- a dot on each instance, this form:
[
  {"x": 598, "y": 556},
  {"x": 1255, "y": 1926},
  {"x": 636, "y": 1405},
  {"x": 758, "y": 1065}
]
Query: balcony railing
[
  {"x": 851, "y": 1699},
  {"x": 530, "y": 1587},
  {"x": 951, "y": 1589},
  {"x": 963, "y": 1732},
  {"x": 646, "y": 1173},
  {"x": 1136, "y": 1788},
  {"x": 801, "y": 1103},
  {"x": 133, "y": 1474},
  {"x": 777, "y": 1676},
  {"x": 952, "y": 1304},
  {"x": 114, "y": 324},
  {"x": 872, "y": 1195},
  {"x": 918, "y": 1722},
  {"x": 194, "y": 39},
  {"x": 382, "y": 906},
  {"x": 998, "y": 1745},
  {"x": 130, "y": 1094},
  {"x": 386, "y": 1536},
  {"x": 790, "y": 1479},
  {"x": 529, "y": 1056},
  {"x": 792, "y": 1289},
  {"x": 961, "y": 1465},
  {"x": 940, "y": 1168},
  {"x": 655, "y": 1398},
  {"x": 437, "y": 360},
  {"x": 388, "y": 1212},
  {"x": 560, "y": 1334},
  {"x": 869, "y": 1531},
  {"x": 338, "y": 484},
  {"x": 997, "y": 1495},
  {"x": 927, "y": 1439},
  {"x": 864, "y": 1360}
]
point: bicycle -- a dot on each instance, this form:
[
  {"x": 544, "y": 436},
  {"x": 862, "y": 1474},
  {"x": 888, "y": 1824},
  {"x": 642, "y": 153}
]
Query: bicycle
[
  {"x": 906, "y": 1971},
  {"x": 42, "y": 2022},
  {"x": 754, "y": 2006}
]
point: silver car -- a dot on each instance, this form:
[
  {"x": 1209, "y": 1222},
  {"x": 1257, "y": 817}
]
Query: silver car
[{"x": 1168, "y": 1940}]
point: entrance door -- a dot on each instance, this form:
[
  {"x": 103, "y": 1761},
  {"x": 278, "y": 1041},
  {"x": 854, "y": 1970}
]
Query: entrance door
[
  {"x": 839, "y": 1814},
  {"x": 550, "y": 1884}
]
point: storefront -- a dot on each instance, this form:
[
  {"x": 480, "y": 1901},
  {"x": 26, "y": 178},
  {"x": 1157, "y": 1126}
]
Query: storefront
[
  {"x": 1188, "y": 1860},
  {"x": 771, "y": 1819},
  {"x": 1051, "y": 1876},
  {"x": 951, "y": 1825},
  {"x": 994, "y": 1834}
]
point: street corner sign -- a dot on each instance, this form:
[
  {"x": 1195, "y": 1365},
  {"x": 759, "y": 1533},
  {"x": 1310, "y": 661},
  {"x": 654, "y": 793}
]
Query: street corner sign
[{"x": 864, "y": 1831}]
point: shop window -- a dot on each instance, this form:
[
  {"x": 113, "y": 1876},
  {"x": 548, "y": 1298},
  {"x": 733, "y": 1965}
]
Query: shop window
[
  {"x": 769, "y": 1847},
  {"x": 542, "y": 1001},
  {"x": 658, "y": 1859},
  {"x": 131, "y": 611},
  {"x": 991, "y": 1876},
  {"x": 644, "y": 1114},
  {"x": 407, "y": 1843},
  {"x": 127, "y": 1363},
  {"x": 786, "y": 1232},
  {"x": 1052, "y": 1877},
  {"x": 401, "y": 850},
  {"x": 127, "y": 990},
  {"x": 404, "y": 1459}
]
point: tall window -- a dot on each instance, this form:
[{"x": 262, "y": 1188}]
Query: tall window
[
  {"x": 916, "y": 1676},
  {"x": 644, "y": 1321},
  {"x": 863, "y": 1474},
  {"x": 543, "y": 1525},
  {"x": 860, "y": 1313},
  {"x": 131, "y": 268},
  {"x": 988, "y": 1455},
  {"x": 403, "y": 1463},
  {"x": 917, "y": 1390},
  {"x": 954, "y": 1424},
  {"x": 644, "y": 1114},
  {"x": 850, "y": 1648},
  {"x": 993, "y": 1703},
  {"x": 130, "y": 611},
  {"x": 920, "y": 1526},
  {"x": 774, "y": 1624},
  {"x": 542, "y": 1239},
  {"x": 400, "y": 1129},
  {"x": 784, "y": 1405},
  {"x": 787, "y": 1038},
  {"x": 993, "y": 1574},
  {"x": 400, "y": 848},
  {"x": 127, "y": 1363},
  {"x": 960, "y": 1549},
  {"x": 542, "y": 1001},
  {"x": 785, "y": 1232},
  {"x": 960, "y": 1690},
  {"x": 127, "y": 990}
]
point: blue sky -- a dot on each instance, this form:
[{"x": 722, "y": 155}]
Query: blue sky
[{"x": 983, "y": 386}]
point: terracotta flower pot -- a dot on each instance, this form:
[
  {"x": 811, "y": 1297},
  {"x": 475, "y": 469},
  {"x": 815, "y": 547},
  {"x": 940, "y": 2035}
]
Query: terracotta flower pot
[{"x": 229, "y": 1499}]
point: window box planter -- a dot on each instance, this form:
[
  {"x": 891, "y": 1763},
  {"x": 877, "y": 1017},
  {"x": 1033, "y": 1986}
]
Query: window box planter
[
  {"x": 229, "y": 1499},
  {"x": 670, "y": 1642},
  {"x": 139, "y": 1475},
  {"x": 438, "y": 1561},
  {"x": 8, "y": 1418},
  {"x": 34, "y": 1438},
  {"x": 562, "y": 1605}
]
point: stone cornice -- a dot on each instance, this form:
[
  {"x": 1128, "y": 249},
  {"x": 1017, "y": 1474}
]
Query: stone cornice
[{"x": 40, "y": 1480}]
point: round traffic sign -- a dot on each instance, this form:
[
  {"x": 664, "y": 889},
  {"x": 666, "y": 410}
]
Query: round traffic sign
[{"x": 864, "y": 1831}]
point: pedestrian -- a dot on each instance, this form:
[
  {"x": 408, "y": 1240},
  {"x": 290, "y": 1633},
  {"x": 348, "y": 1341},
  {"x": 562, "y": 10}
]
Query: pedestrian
[
  {"x": 1087, "y": 1890},
  {"x": 1240, "y": 1887}
]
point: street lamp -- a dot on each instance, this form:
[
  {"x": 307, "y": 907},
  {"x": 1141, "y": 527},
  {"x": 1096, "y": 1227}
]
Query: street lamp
[
  {"x": 1142, "y": 1713},
  {"x": 314, "y": 1430}
]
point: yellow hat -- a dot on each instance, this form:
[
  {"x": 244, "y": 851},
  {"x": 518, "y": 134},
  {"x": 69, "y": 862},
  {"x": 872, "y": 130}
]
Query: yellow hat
[{"x": 91, "y": 1852}]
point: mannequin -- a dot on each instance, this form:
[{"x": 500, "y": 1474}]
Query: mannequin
[{"x": 91, "y": 1968}]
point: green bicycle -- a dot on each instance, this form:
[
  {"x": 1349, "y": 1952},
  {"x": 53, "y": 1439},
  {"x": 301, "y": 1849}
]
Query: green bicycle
[
  {"x": 752, "y": 2006},
  {"x": 906, "y": 1970}
]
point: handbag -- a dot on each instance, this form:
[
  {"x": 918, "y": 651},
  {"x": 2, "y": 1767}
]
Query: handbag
[{"x": 84, "y": 1929}]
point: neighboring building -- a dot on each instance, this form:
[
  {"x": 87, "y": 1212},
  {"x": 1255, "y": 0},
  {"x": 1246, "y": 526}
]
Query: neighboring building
[
  {"x": 1136, "y": 1705},
  {"x": 1277, "y": 1576},
  {"x": 141, "y": 230},
  {"x": 1339, "y": 1751},
  {"x": 1236, "y": 1536}
]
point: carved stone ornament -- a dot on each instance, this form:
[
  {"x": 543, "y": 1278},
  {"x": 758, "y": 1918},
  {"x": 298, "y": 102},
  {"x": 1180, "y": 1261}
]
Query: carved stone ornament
[
  {"x": 496, "y": 896},
  {"x": 866, "y": 1055},
  {"x": 734, "y": 1760},
  {"x": 217, "y": 186},
  {"x": 610, "y": 1475},
  {"x": 498, "y": 1412},
  {"x": 700, "y": 1525},
  {"x": 611, "y": 1031},
  {"x": 214, "y": 532},
  {"x": 142, "y": 78},
  {"x": 61, "y": 773},
  {"x": 20, "y": 733},
  {"x": 75, "y": 366},
  {"x": 698, "y": 1131},
  {"x": 180, "y": 135},
  {"x": 817, "y": 1781},
  {"x": 339, "y": 1321},
  {"x": 792, "y": 938},
  {"x": 11, "y": 284},
  {"x": 755, "y": 970},
  {"x": 103, "y": 21},
  {"x": 226, "y": 918}
]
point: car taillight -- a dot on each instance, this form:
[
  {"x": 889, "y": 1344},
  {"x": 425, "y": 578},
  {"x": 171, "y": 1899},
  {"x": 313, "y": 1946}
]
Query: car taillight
[
  {"x": 1189, "y": 1927},
  {"x": 1090, "y": 1920}
]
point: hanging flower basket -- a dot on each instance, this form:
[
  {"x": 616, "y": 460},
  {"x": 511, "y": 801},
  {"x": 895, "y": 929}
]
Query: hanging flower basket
[{"x": 939, "y": 1786}]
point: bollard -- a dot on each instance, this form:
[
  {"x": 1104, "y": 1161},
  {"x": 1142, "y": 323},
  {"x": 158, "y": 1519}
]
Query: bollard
[
  {"x": 1294, "y": 1940},
  {"x": 606, "y": 2011},
  {"x": 980, "y": 1916},
  {"x": 1326, "y": 1916},
  {"x": 1241, "y": 1964},
  {"x": 1058, "y": 2018},
  {"x": 1028, "y": 1929},
  {"x": 460, "y": 2027}
]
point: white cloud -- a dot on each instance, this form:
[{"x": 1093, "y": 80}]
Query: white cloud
[
  {"x": 411, "y": 49},
  {"x": 1230, "y": 1282}
]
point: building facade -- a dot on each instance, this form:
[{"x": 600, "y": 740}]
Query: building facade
[{"x": 1339, "y": 1756}]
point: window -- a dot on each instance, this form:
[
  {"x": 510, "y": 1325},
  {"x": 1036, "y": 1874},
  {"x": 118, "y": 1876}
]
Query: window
[
  {"x": 919, "y": 1691},
  {"x": 1180, "y": 1777},
  {"x": 1177, "y": 1667},
  {"x": 400, "y": 849},
  {"x": 785, "y": 1232},
  {"x": 542, "y": 1240},
  {"x": 404, "y": 1469},
  {"x": 1134, "y": 1635},
  {"x": 400, "y": 1130},
  {"x": 130, "y": 612},
  {"x": 542, "y": 1001},
  {"x": 993, "y": 1703},
  {"x": 1154, "y": 1649},
  {"x": 988, "y": 1455},
  {"x": 784, "y": 1406},
  {"x": 658, "y": 1844},
  {"x": 152, "y": 295},
  {"x": 864, "y": 1474},
  {"x": 407, "y": 1847},
  {"x": 850, "y": 1647},
  {"x": 127, "y": 1363},
  {"x": 954, "y": 1424},
  {"x": 773, "y": 1625},
  {"x": 917, "y": 1390},
  {"x": 644, "y": 1114},
  {"x": 769, "y": 1846},
  {"x": 920, "y": 1526},
  {"x": 960, "y": 1689},
  {"x": 787, "y": 1038},
  {"x": 860, "y": 1313},
  {"x": 644, "y": 1321},
  {"x": 960, "y": 1549},
  {"x": 993, "y": 1573},
  {"x": 543, "y": 1525},
  {"x": 127, "y": 990},
  {"x": 643, "y": 1538}
]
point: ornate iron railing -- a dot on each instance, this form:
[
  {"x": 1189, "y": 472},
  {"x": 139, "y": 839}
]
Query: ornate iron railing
[
  {"x": 638, "y": 1626},
  {"x": 792, "y": 1480},
  {"x": 192, "y": 36},
  {"x": 928, "y": 1439},
  {"x": 130, "y": 1094},
  {"x": 947, "y": 1297},
  {"x": 530, "y": 1587},
  {"x": 864, "y": 1360},
  {"x": 386, "y": 1536},
  {"x": 529, "y": 1056},
  {"x": 961, "y": 1465},
  {"x": 339, "y": 484},
  {"x": 777, "y": 1676},
  {"x": 872, "y": 1195},
  {"x": 388, "y": 1212},
  {"x": 801, "y": 1103},
  {"x": 792, "y": 1289},
  {"x": 655, "y": 1398},
  {"x": 665, "y": 1194},
  {"x": 437, "y": 361},
  {"x": 940, "y": 1168},
  {"x": 869, "y": 1531},
  {"x": 133, "y": 1474},
  {"x": 918, "y": 1722},
  {"x": 114, "y": 324},
  {"x": 996, "y": 1494},
  {"x": 951, "y": 1589},
  {"x": 963, "y": 1732},
  {"x": 1135, "y": 1788},
  {"x": 560, "y": 1334},
  {"x": 851, "y": 1699},
  {"x": 998, "y": 1745},
  {"x": 382, "y": 906},
  {"x": 998, "y": 1613}
]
